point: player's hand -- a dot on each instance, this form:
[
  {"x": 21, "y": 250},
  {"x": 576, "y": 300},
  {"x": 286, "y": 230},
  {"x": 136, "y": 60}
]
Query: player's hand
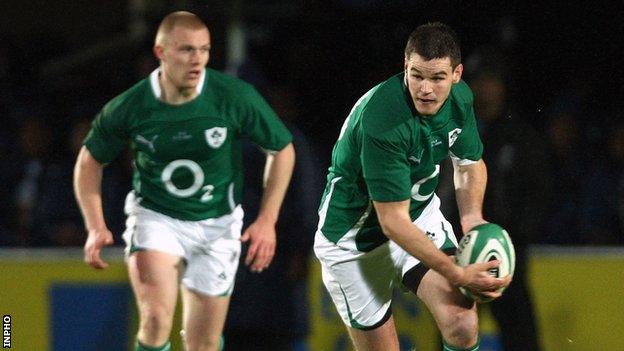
[
  {"x": 96, "y": 240},
  {"x": 478, "y": 280},
  {"x": 261, "y": 235}
]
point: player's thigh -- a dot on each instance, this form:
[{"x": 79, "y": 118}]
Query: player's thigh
[
  {"x": 203, "y": 316},
  {"x": 360, "y": 285},
  {"x": 154, "y": 255},
  {"x": 208, "y": 282},
  {"x": 211, "y": 267},
  {"x": 450, "y": 309},
  {"x": 153, "y": 231},
  {"x": 154, "y": 277}
]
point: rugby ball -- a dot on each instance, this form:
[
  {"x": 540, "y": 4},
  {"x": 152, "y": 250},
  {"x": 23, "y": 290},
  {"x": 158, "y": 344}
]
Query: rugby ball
[{"x": 483, "y": 243}]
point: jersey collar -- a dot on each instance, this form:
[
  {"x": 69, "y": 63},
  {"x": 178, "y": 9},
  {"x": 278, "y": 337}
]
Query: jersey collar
[{"x": 153, "y": 77}]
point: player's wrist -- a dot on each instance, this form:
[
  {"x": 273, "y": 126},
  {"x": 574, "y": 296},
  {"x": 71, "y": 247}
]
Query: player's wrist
[
  {"x": 452, "y": 272},
  {"x": 470, "y": 221},
  {"x": 457, "y": 276},
  {"x": 93, "y": 229},
  {"x": 267, "y": 217}
]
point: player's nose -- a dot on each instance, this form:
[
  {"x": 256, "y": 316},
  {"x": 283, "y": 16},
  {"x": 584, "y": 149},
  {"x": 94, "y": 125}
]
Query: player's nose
[{"x": 425, "y": 87}]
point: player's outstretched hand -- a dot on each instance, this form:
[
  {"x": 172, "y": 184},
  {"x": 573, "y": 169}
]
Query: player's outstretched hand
[
  {"x": 261, "y": 235},
  {"x": 478, "y": 279},
  {"x": 96, "y": 240}
]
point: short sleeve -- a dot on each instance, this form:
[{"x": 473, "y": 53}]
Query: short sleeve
[
  {"x": 468, "y": 147},
  {"x": 385, "y": 166},
  {"x": 107, "y": 137},
  {"x": 261, "y": 123}
]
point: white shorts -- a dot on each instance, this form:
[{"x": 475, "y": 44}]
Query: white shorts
[
  {"x": 361, "y": 283},
  {"x": 210, "y": 247}
]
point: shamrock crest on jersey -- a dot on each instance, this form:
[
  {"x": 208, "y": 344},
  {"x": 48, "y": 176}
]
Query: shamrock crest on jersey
[{"x": 216, "y": 136}]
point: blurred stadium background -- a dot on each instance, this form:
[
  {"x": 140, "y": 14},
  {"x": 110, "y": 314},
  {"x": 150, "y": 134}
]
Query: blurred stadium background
[{"x": 561, "y": 63}]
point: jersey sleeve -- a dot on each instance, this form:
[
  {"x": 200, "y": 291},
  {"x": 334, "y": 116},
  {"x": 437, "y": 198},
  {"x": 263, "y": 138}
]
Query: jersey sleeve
[
  {"x": 261, "y": 123},
  {"x": 385, "y": 166},
  {"x": 468, "y": 147},
  {"x": 107, "y": 137}
]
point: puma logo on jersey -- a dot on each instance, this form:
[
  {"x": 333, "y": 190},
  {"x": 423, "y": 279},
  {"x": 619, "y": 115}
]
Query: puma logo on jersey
[
  {"x": 416, "y": 159},
  {"x": 215, "y": 137},
  {"x": 149, "y": 143}
]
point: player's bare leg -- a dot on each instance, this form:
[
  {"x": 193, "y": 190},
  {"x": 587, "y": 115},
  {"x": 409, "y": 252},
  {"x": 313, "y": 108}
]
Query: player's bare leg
[
  {"x": 154, "y": 279},
  {"x": 455, "y": 316},
  {"x": 383, "y": 338},
  {"x": 203, "y": 320}
]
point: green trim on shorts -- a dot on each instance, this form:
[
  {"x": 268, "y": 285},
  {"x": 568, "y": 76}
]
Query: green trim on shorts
[
  {"x": 228, "y": 291},
  {"x": 448, "y": 243},
  {"x": 353, "y": 322},
  {"x": 133, "y": 248}
]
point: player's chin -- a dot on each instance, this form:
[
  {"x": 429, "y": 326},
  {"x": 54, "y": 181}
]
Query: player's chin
[
  {"x": 428, "y": 109},
  {"x": 190, "y": 83}
]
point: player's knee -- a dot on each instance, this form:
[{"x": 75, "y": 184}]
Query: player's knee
[
  {"x": 462, "y": 328},
  {"x": 156, "y": 320}
]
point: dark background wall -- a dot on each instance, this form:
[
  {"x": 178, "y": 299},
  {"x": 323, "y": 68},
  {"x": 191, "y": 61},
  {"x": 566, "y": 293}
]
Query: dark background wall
[{"x": 61, "y": 61}]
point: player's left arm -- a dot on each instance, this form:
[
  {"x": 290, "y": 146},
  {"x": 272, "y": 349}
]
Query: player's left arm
[
  {"x": 470, "y": 181},
  {"x": 261, "y": 232}
]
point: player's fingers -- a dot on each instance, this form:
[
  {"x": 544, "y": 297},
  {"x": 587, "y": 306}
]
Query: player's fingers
[
  {"x": 245, "y": 236},
  {"x": 486, "y": 266},
  {"x": 270, "y": 254},
  {"x": 265, "y": 256},
  {"x": 259, "y": 262},
  {"x": 109, "y": 241},
  {"x": 92, "y": 257},
  {"x": 88, "y": 254},
  {"x": 491, "y": 294},
  {"x": 99, "y": 264},
  {"x": 251, "y": 253},
  {"x": 494, "y": 284},
  {"x": 505, "y": 281}
]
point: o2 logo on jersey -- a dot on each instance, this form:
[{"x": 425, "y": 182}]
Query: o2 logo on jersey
[
  {"x": 416, "y": 195},
  {"x": 198, "y": 180},
  {"x": 215, "y": 137}
]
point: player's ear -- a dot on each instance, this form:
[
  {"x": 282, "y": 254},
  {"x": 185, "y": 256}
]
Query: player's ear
[
  {"x": 457, "y": 73},
  {"x": 405, "y": 64},
  {"x": 159, "y": 52}
]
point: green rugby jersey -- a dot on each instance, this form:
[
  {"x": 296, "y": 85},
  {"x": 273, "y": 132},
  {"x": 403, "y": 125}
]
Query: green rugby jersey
[
  {"x": 187, "y": 158},
  {"x": 387, "y": 152}
]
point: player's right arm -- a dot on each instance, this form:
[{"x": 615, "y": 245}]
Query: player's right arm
[
  {"x": 88, "y": 190},
  {"x": 397, "y": 226}
]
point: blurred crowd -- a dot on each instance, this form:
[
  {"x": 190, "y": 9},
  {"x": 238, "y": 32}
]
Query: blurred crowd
[{"x": 554, "y": 135}]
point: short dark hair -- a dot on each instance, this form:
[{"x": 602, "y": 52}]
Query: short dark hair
[{"x": 434, "y": 40}]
